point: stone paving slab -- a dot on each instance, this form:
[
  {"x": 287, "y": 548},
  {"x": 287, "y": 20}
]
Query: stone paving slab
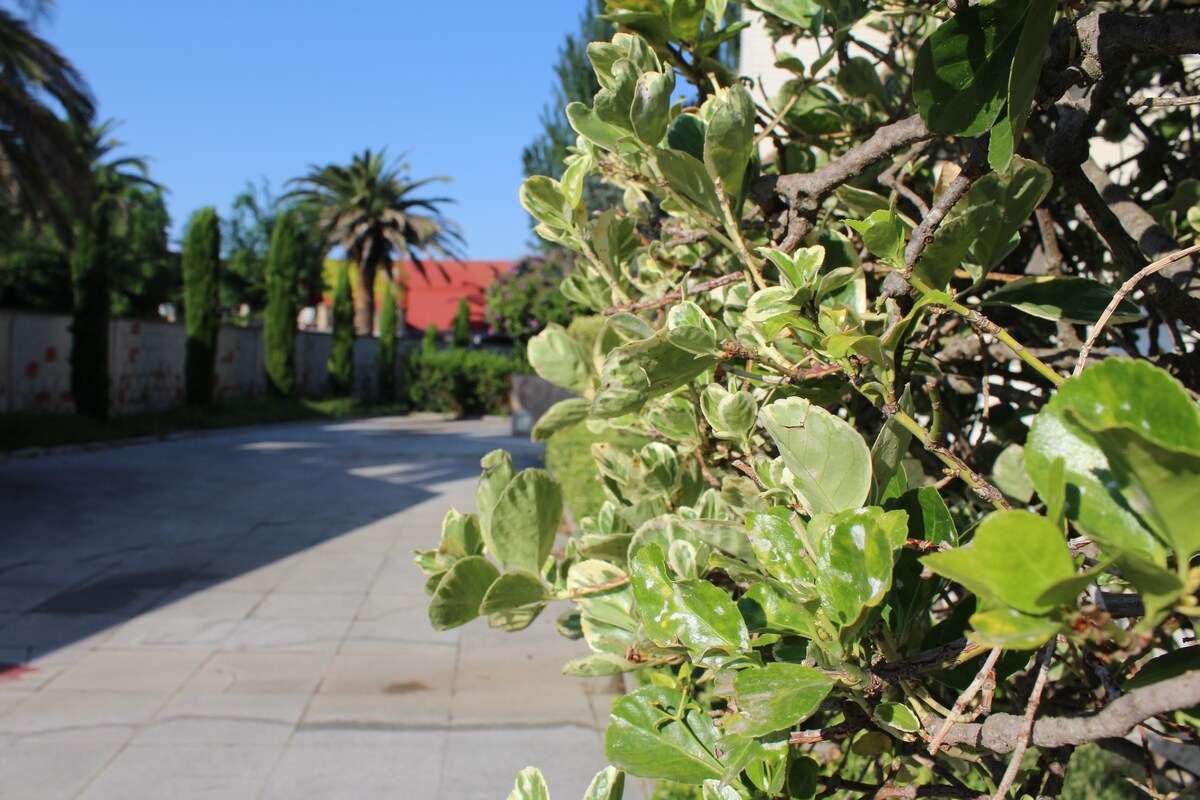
[{"x": 237, "y": 616}]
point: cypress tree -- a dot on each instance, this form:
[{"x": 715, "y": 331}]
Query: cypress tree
[
  {"x": 201, "y": 278},
  {"x": 387, "y": 346},
  {"x": 90, "y": 302},
  {"x": 279, "y": 323},
  {"x": 429, "y": 342},
  {"x": 341, "y": 357},
  {"x": 461, "y": 335}
]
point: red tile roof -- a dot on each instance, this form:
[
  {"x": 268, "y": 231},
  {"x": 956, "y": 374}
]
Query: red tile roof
[{"x": 433, "y": 296}]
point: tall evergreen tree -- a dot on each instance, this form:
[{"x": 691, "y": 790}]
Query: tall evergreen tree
[
  {"x": 387, "y": 345},
  {"x": 89, "y": 328},
  {"x": 460, "y": 336},
  {"x": 279, "y": 322},
  {"x": 201, "y": 278},
  {"x": 341, "y": 357}
]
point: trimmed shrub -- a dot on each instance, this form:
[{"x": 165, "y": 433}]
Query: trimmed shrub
[
  {"x": 89, "y": 329},
  {"x": 387, "y": 346},
  {"x": 279, "y": 324},
  {"x": 459, "y": 381},
  {"x": 201, "y": 284},
  {"x": 341, "y": 357}
]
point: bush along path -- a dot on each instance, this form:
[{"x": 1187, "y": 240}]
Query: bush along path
[{"x": 878, "y": 544}]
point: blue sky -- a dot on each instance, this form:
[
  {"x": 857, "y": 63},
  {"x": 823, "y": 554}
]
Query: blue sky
[{"x": 220, "y": 93}]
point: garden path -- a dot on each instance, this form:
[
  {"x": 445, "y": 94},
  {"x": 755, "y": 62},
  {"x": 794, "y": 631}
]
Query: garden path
[{"x": 236, "y": 615}]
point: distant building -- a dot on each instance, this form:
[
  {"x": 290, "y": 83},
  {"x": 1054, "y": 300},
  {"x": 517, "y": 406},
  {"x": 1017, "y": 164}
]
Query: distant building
[
  {"x": 433, "y": 296},
  {"x": 427, "y": 297}
]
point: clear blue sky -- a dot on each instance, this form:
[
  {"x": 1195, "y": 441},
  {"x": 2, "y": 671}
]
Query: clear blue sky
[{"x": 220, "y": 93}]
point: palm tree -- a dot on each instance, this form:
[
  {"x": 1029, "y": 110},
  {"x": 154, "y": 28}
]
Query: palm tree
[
  {"x": 368, "y": 210},
  {"x": 39, "y": 161}
]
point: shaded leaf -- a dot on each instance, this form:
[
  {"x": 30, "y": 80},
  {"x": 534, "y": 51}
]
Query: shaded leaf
[
  {"x": 458, "y": 596},
  {"x": 638, "y": 740}
]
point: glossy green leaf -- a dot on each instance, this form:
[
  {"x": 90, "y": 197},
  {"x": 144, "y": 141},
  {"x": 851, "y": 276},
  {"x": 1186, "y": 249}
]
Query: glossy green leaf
[
  {"x": 856, "y": 551},
  {"x": 530, "y": 786},
  {"x": 458, "y": 596},
  {"x": 1015, "y": 557},
  {"x": 898, "y": 716},
  {"x": 609, "y": 784},
  {"x": 780, "y": 549},
  {"x": 639, "y": 371},
  {"x": 729, "y": 140},
  {"x": 560, "y": 416},
  {"x": 556, "y": 356},
  {"x": 543, "y": 199},
  {"x": 695, "y": 614},
  {"x": 802, "y": 779},
  {"x": 1026, "y": 69},
  {"x": 640, "y": 742},
  {"x": 731, "y": 415},
  {"x": 686, "y": 176},
  {"x": 1113, "y": 392},
  {"x": 797, "y": 12},
  {"x": 686, "y": 134},
  {"x": 1062, "y": 297},
  {"x": 525, "y": 520},
  {"x": 961, "y": 76},
  {"x": 885, "y": 235},
  {"x": 999, "y": 203},
  {"x": 1008, "y": 474},
  {"x": 651, "y": 108},
  {"x": 602, "y": 591},
  {"x": 1012, "y": 630},
  {"x": 686, "y": 16},
  {"x": 1164, "y": 667},
  {"x": 1159, "y": 482},
  {"x": 715, "y": 790},
  {"x": 591, "y": 127},
  {"x": 776, "y": 697},
  {"x": 767, "y": 609},
  {"x": 830, "y": 460}
]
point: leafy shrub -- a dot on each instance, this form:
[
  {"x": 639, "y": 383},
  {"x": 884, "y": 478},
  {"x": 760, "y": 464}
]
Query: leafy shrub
[
  {"x": 527, "y": 299},
  {"x": 459, "y": 381},
  {"x": 460, "y": 334},
  {"x": 894, "y": 532}
]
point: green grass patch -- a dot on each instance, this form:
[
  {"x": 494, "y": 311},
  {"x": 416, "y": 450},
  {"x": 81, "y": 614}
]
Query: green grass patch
[{"x": 19, "y": 431}]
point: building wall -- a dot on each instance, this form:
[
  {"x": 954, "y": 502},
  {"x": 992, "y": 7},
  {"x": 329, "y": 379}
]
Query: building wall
[{"x": 146, "y": 361}]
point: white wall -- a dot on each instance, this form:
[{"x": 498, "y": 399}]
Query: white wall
[{"x": 146, "y": 362}]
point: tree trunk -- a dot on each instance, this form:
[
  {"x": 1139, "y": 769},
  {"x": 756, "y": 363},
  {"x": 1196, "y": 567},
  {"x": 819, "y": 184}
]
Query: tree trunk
[{"x": 364, "y": 301}]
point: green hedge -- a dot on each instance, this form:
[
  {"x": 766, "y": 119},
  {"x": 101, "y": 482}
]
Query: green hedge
[{"x": 459, "y": 381}]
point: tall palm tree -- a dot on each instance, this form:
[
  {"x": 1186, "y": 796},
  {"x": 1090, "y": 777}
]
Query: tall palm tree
[
  {"x": 368, "y": 209},
  {"x": 39, "y": 161}
]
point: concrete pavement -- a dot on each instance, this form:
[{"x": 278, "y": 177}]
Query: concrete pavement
[{"x": 237, "y": 616}]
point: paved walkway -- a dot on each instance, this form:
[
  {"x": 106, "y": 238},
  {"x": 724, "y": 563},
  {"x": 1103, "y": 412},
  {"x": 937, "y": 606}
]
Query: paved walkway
[{"x": 237, "y": 616}]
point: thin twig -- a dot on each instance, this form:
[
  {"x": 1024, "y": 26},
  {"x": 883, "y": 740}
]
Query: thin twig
[
  {"x": 1140, "y": 99},
  {"x": 1035, "y": 699},
  {"x": 699, "y": 288},
  {"x": 960, "y": 705},
  {"x": 1127, "y": 287}
]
